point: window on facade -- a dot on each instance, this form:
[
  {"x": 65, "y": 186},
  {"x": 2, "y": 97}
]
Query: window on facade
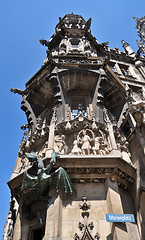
[
  {"x": 126, "y": 129},
  {"x": 112, "y": 66},
  {"x": 75, "y": 112},
  {"x": 74, "y": 43},
  {"x": 74, "y": 46},
  {"x": 124, "y": 70},
  {"x": 77, "y": 104},
  {"x": 36, "y": 234}
]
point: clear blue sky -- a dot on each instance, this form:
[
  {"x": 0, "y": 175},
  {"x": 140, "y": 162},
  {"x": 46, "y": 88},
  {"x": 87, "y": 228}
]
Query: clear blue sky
[{"x": 22, "y": 24}]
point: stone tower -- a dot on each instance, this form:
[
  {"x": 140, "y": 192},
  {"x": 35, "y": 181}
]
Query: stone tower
[{"x": 82, "y": 154}]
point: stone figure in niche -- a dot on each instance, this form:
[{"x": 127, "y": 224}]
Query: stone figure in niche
[
  {"x": 104, "y": 148},
  {"x": 125, "y": 152},
  {"x": 96, "y": 147},
  {"x": 63, "y": 45},
  {"x": 85, "y": 140},
  {"x": 76, "y": 150},
  {"x": 59, "y": 144},
  {"x": 87, "y": 49},
  {"x": 39, "y": 123},
  {"x": 100, "y": 144}
]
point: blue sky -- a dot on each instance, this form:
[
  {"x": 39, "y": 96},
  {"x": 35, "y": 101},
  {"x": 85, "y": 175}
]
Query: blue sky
[{"x": 22, "y": 24}]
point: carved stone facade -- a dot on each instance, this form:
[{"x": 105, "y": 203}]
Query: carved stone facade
[{"x": 83, "y": 150}]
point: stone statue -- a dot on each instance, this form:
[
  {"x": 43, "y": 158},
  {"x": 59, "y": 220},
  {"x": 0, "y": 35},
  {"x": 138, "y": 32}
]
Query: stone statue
[
  {"x": 87, "y": 46},
  {"x": 34, "y": 184},
  {"x": 75, "y": 150},
  {"x": 85, "y": 141},
  {"x": 44, "y": 42},
  {"x": 16, "y": 90},
  {"x": 104, "y": 148},
  {"x": 60, "y": 145},
  {"x": 96, "y": 146}
]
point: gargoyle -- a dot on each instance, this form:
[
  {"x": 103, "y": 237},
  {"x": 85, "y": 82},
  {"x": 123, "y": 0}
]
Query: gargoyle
[
  {"x": 16, "y": 90},
  {"x": 36, "y": 183},
  {"x": 44, "y": 42}
]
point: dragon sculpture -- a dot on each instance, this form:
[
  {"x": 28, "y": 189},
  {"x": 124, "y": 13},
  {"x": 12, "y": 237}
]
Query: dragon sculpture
[{"x": 37, "y": 180}]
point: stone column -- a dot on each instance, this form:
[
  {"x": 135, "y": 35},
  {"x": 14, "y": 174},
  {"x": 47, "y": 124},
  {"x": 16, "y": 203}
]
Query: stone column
[
  {"x": 24, "y": 232},
  {"x": 110, "y": 130},
  {"x": 51, "y": 135},
  {"x": 54, "y": 220},
  {"x": 114, "y": 204}
]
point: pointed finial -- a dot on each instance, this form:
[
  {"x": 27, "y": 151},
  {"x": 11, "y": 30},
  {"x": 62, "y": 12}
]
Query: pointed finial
[
  {"x": 128, "y": 49},
  {"x": 88, "y": 23}
]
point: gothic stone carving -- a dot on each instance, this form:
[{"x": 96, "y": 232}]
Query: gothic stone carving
[
  {"x": 80, "y": 137},
  {"x": 138, "y": 112},
  {"x": 86, "y": 227},
  {"x": 59, "y": 144},
  {"x": 122, "y": 176},
  {"x": 40, "y": 131},
  {"x": 141, "y": 32},
  {"x": 133, "y": 97},
  {"x": 84, "y": 206}
]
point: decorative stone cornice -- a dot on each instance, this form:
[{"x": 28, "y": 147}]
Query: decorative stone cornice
[{"x": 102, "y": 172}]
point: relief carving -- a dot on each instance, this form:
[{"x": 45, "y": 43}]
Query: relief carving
[
  {"x": 86, "y": 143},
  {"x": 84, "y": 206},
  {"x": 80, "y": 137},
  {"x": 59, "y": 144},
  {"x": 75, "y": 150},
  {"x": 86, "y": 228}
]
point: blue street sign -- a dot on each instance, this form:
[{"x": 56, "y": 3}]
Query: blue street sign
[{"x": 120, "y": 218}]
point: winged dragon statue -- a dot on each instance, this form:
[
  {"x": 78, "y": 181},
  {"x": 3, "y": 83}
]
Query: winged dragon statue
[{"x": 37, "y": 180}]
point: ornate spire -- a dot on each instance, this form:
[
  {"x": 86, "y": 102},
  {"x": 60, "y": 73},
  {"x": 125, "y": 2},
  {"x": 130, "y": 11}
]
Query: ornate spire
[
  {"x": 128, "y": 49},
  {"x": 140, "y": 26}
]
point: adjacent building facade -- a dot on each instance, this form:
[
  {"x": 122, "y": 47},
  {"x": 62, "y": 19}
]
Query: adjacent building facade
[{"x": 83, "y": 150}]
